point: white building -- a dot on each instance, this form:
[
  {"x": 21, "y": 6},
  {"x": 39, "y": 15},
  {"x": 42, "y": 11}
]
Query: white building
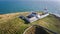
[{"x": 35, "y": 16}]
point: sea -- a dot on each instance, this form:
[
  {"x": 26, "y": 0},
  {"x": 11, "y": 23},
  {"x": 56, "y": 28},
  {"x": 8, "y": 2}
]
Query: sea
[{"x": 28, "y": 6}]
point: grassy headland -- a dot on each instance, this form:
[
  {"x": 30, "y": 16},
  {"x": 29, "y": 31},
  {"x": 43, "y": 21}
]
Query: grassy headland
[{"x": 12, "y": 24}]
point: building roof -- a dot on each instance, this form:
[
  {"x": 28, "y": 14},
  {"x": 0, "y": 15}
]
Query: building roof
[{"x": 32, "y": 15}]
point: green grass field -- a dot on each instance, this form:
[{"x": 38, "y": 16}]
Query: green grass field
[{"x": 15, "y": 25}]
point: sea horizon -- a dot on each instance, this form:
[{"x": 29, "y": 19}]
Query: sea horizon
[{"x": 25, "y": 6}]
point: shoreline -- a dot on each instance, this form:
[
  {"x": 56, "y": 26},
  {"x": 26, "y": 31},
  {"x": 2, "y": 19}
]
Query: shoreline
[
  {"x": 57, "y": 15},
  {"x": 20, "y": 12},
  {"x": 10, "y": 15}
]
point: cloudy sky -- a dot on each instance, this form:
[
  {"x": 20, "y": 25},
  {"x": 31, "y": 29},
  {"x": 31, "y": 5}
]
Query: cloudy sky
[{"x": 29, "y": 0}]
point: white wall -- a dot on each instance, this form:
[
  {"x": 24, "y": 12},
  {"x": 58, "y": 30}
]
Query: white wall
[{"x": 44, "y": 16}]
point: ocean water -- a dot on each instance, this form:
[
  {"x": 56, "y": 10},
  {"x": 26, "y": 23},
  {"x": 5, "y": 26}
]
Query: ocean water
[{"x": 23, "y": 6}]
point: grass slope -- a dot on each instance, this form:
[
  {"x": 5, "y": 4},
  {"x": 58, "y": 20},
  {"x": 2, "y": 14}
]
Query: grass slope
[{"x": 11, "y": 24}]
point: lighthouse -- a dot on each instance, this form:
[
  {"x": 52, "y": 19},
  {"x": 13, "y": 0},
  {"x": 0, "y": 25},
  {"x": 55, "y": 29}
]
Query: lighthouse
[{"x": 45, "y": 10}]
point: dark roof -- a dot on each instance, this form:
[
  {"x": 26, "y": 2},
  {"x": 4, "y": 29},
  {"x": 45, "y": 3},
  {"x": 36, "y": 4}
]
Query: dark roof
[
  {"x": 30, "y": 16},
  {"x": 34, "y": 13}
]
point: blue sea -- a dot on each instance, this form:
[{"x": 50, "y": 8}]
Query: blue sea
[{"x": 23, "y": 6}]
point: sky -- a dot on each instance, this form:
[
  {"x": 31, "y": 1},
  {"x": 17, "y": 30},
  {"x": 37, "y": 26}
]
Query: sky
[{"x": 29, "y": 0}]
